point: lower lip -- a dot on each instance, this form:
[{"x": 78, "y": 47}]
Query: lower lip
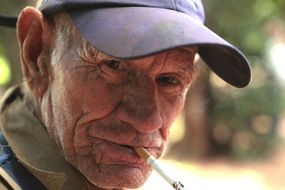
[{"x": 117, "y": 154}]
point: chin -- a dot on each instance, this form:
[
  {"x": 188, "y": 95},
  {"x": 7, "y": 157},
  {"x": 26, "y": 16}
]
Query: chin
[{"x": 117, "y": 176}]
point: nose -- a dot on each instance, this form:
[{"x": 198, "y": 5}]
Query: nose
[{"x": 140, "y": 105}]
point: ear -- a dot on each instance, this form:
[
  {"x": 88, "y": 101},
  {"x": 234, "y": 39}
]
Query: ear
[{"x": 34, "y": 37}]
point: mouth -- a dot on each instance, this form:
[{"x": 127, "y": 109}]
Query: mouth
[
  {"x": 130, "y": 148},
  {"x": 133, "y": 150},
  {"x": 107, "y": 152}
]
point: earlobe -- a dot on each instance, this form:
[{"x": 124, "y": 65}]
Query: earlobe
[{"x": 34, "y": 36}]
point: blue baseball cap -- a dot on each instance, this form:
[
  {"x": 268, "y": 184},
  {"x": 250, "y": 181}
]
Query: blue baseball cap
[{"x": 129, "y": 29}]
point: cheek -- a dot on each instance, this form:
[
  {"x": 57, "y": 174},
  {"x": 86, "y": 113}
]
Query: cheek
[
  {"x": 66, "y": 101},
  {"x": 78, "y": 94},
  {"x": 72, "y": 96},
  {"x": 171, "y": 108},
  {"x": 100, "y": 98},
  {"x": 87, "y": 99}
]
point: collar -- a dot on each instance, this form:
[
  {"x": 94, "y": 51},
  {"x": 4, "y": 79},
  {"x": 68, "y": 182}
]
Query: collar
[{"x": 31, "y": 144}]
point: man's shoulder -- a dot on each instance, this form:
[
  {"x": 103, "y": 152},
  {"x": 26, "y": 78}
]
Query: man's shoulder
[{"x": 13, "y": 175}]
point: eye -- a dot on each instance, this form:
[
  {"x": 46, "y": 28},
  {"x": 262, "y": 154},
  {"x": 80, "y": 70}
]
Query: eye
[
  {"x": 114, "y": 64},
  {"x": 167, "y": 80},
  {"x": 114, "y": 71}
]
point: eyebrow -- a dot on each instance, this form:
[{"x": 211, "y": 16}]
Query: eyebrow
[{"x": 90, "y": 53}]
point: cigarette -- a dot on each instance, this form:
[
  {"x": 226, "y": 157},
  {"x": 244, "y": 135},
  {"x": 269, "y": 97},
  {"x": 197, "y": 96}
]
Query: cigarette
[{"x": 142, "y": 152}]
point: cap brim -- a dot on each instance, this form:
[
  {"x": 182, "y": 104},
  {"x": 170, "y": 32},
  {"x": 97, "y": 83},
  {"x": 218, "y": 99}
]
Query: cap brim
[
  {"x": 133, "y": 32},
  {"x": 8, "y": 21}
]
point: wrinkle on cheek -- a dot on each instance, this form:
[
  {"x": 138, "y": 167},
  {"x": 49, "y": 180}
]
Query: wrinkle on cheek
[
  {"x": 99, "y": 98},
  {"x": 73, "y": 88},
  {"x": 80, "y": 133},
  {"x": 83, "y": 151}
]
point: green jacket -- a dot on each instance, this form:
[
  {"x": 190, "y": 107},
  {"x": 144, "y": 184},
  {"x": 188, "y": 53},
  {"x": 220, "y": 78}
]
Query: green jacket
[{"x": 31, "y": 144}]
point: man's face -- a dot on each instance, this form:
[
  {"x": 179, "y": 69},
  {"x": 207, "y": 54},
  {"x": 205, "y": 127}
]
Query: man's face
[{"x": 97, "y": 109}]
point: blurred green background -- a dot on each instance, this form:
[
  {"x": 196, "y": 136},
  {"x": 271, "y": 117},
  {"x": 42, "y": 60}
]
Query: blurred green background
[{"x": 242, "y": 125}]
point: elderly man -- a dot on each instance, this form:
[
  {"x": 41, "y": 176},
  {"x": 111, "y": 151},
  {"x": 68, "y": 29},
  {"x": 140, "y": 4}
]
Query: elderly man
[{"x": 101, "y": 77}]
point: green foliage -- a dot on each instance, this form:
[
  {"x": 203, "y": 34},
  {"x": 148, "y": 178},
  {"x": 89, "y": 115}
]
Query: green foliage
[
  {"x": 5, "y": 73},
  {"x": 242, "y": 22},
  {"x": 248, "y": 115}
]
